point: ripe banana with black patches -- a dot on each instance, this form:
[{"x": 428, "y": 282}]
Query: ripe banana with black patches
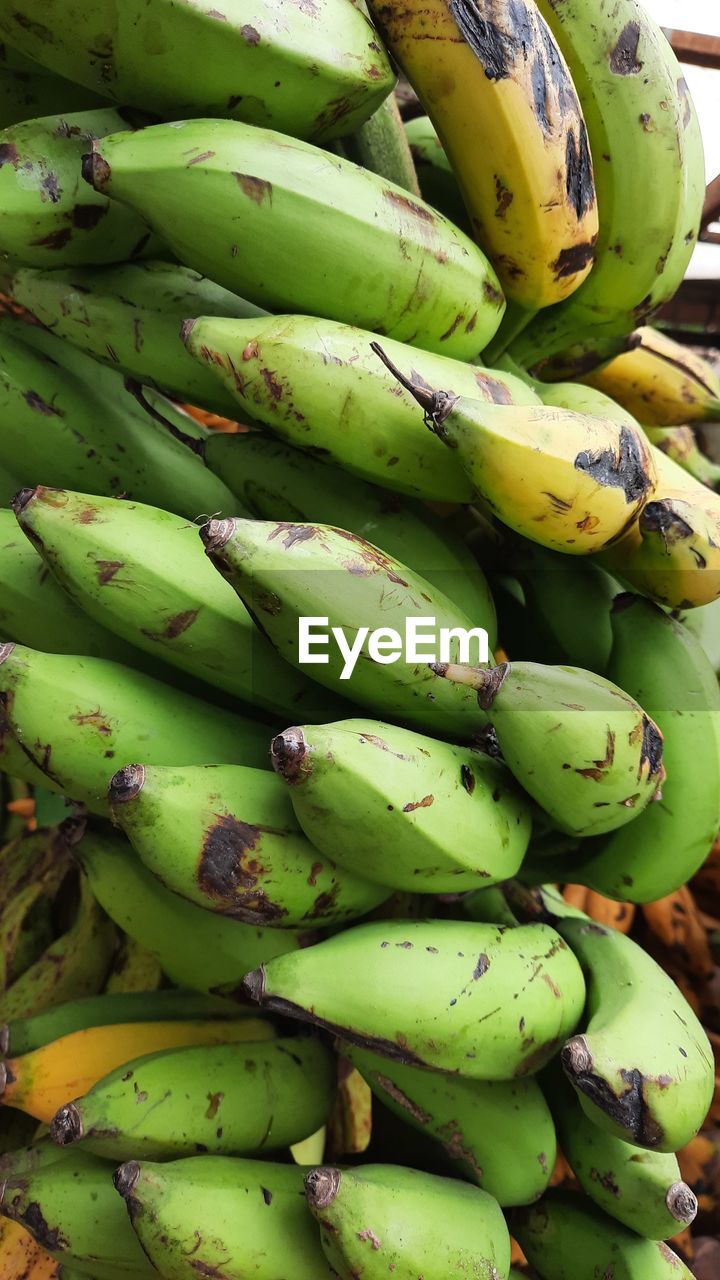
[
  {"x": 129, "y": 316},
  {"x": 140, "y": 571},
  {"x": 584, "y": 749},
  {"x": 20, "y": 1255},
  {"x": 287, "y": 571},
  {"x": 232, "y": 1099},
  {"x": 274, "y": 480},
  {"x": 74, "y": 716},
  {"x": 48, "y": 215},
  {"x": 246, "y": 1217},
  {"x": 660, "y": 381},
  {"x": 185, "y": 59},
  {"x": 498, "y": 90},
  {"x": 26, "y": 919},
  {"x": 210, "y": 187},
  {"x": 475, "y": 1121},
  {"x": 276, "y": 368},
  {"x": 196, "y": 949},
  {"x": 566, "y": 1237},
  {"x": 382, "y": 1219},
  {"x": 68, "y": 1205},
  {"x": 680, "y": 444},
  {"x": 649, "y": 174},
  {"x": 642, "y": 1189},
  {"x": 28, "y": 90},
  {"x": 570, "y": 481},
  {"x": 226, "y": 838},
  {"x": 438, "y": 184},
  {"x": 446, "y": 994},
  {"x": 425, "y": 816}
]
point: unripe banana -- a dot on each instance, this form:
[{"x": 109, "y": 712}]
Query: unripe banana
[
  {"x": 227, "y": 839},
  {"x": 704, "y": 623},
  {"x": 276, "y": 368},
  {"x": 680, "y": 444},
  {"x": 141, "y": 572},
  {"x": 497, "y": 88},
  {"x": 246, "y": 1217},
  {"x": 234, "y": 1099},
  {"x": 286, "y": 571},
  {"x": 424, "y": 816},
  {"x": 660, "y": 381},
  {"x": 75, "y": 716},
  {"x": 569, "y": 602},
  {"x": 208, "y": 214},
  {"x": 569, "y": 481},
  {"x": 585, "y": 751},
  {"x": 195, "y": 948},
  {"x": 476, "y": 1122},
  {"x": 451, "y": 995},
  {"x": 380, "y": 145},
  {"x": 641, "y": 1189},
  {"x": 566, "y": 1237},
  {"x": 28, "y": 90},
  {"x": 438, "y": 184},
  {"x": 383, "y": 1219},
  {"x": 315, "y": 71},
  {"x": 48, "y": 215}
]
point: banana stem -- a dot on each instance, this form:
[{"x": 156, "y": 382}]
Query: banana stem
[
  {"x": 436, "y": 405},
  {"x": 486, "y": 680}
]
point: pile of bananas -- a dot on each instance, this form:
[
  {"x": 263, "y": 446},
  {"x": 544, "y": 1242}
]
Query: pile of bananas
[{"x": 354, "y": 963}]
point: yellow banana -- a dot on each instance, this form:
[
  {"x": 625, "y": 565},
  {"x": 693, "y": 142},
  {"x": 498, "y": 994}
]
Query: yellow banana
[
  {"x": 660, "y": 381},
  {"x": 496, "y": 86},
  {"x": 42, "y": 1081},
  {"x": 21, "y": 1257}
]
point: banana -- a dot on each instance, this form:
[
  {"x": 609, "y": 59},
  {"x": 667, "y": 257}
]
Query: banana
[
  {"x": 641, "y": 1189},
  {"x": 419, "y": 979},
  {"x": 276, "y": 368},
  {"x": 425, "y": 816},
  {"x": 134, "y": 970},
  {"x": 28, "y": 858},
  {"x": 438, "y": 184},
  {"x": 566, "y": 1237},
  {"x": 129, "y": 316},
  {"x": 74, "y": 716},
  {"x": 579, "y": 398},
  {"x": 48, "y": 216},
  {"x": 382, "y": 1219},
  {"x": 584, "y": 749},
  {"x": 28, "y": 90},
  {"x": 569, "y": 481},
  {"x": 234, "y": 1099},
  {"x": 498, "y": 90},
  {"x": 69, "y": 1207},
  {"x": 312, "y": 71},
  {"x": 650, "y": 179},
  {"x": 57, "y": 427},
  {"x": 704, "y": 623},
  {"x": 677, "y": 924},
  {"x": 380, "y": 145},
  {"x": 208, "y": 1213},
  {"x": 680, "y": 444},
  {"x": 660, "y": 381},
  {"x": 141, "y": 572},
  {"x": 195, "y": 948},
  {"x": 21, "y": 1256},
  {"x": 284, "y": 572},
  {"x": 273, "y": 480},
  {"x": 429, "y": 284},
  {"x": 26, "y": 924},
  {"x": 476, "y": 1122}
]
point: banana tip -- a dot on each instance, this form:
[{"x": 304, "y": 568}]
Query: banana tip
[
  {"x": 576, "y": 1058},
  {"x": 287, "y": 753},
  {"x": 253, "y": 985},
  {"x": 682, "y": 1203},
  {"x": 186, "y": 329},
  {"x": 5, "y": 651},
  {"x": 322, "y": 1186},
  {"x": 5, "y": 1039},
  {"x": 215, "y": 534},
  {"x": 21, "y": 500},
  {"x": 125, "y": 1178},
  {"x": 66, "y": 1125},
  {"x": 126, "y": 784},
  {"x": 95, "y": 169}
]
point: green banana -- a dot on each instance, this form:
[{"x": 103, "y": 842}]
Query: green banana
[
  {"x": 69, "y": 1206},
  {"x": 641, "y": 1189},
  {"x": 569, "y": 481},
  {"x": 425, "y": 816},
  {"x": 476, "y": 1122},
  {"x": 276, "y": 368},
  {"x": 28, "y": 90},
  {"x": 215, "y": 1214},
  {"x": 447, "y": 994},
  {"x": 59, "y": 428},
  {"x": 196, "y": 949},
  {"x": 566, "y": 1237},
  {"x": 74, "y": 716},
  {"x": 579, "y": 398},
  {"x": 285, "y": 572},
  {"x": 239, "y": 1099},
  {"x": 380, "y": 145},
  {"x": 584, "y": 750},
  {"x": 226, "y": 838},
  {"x": 23, "y": 1035},
  {"x": 438, "y": 184},
  {"x": 141, "y": 572},
  {"x": 382, "y": 1219},
  {"x": 14, "y": 762},
  {"x": 208, "y": 214},
  {"x": 274, "y": 481},
  {"x": 315, "y": 71},
  {"x": 129, "y": 316},
  {"x": 569, "y": 603},
  {"x": 489, "y": 906},
  {"x": 704, "y": 623},
  {"x": 48, "y": 216}
]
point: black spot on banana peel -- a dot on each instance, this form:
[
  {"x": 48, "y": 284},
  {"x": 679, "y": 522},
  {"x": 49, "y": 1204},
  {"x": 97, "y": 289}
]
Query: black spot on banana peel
[
  {"x": 652, "y": 750},
  {"x": 495, "y": 48},
  {"x": 629, "y": 1110},
  {"x": 66, "y": 1125},
  {"x": 322, "y": 1186},
  {"x": 623, "y": 58},
  {"x": 627, "y": 469}
]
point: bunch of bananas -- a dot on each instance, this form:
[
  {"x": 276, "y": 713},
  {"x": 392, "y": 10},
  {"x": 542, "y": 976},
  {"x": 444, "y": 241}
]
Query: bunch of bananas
[{"x": 354, "y": 758}]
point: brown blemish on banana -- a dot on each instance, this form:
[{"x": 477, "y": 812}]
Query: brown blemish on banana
[
  {"x": 87, "y": 216},
  {"x": 228, "y": 873},
  {"x": 50, "y": 1238},
  {"x": 503, "y": 198},
  {"x": 106, "y": 570},
  {"x": 9, "y": 154},
  {"x": 370, "y": 1236},
  {"x": 398, "y": 1096},
  {"x": 412, "y": 805},
  {"x": 467, "y": 778},
  {"x": 661, "y": 517},
  {"x": 174, "y": 627},
  {"x": 36, "y": 403},
  {"x": 407, "y": 205},
  {"x": 574, "y": 259},
  {"x": 596, "y": 771},
  {"x": 93, "y": 720},
  {"x": 293, "y": 533},
  {"x": 256, "y": 189},
  {"x": 625, "y": 469},
  {"x": 623, "y": 59},
  {"x": 495, "y": 48},
  {"x": 579, "y": 179},
  {"x": 651, "y": 752}
]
